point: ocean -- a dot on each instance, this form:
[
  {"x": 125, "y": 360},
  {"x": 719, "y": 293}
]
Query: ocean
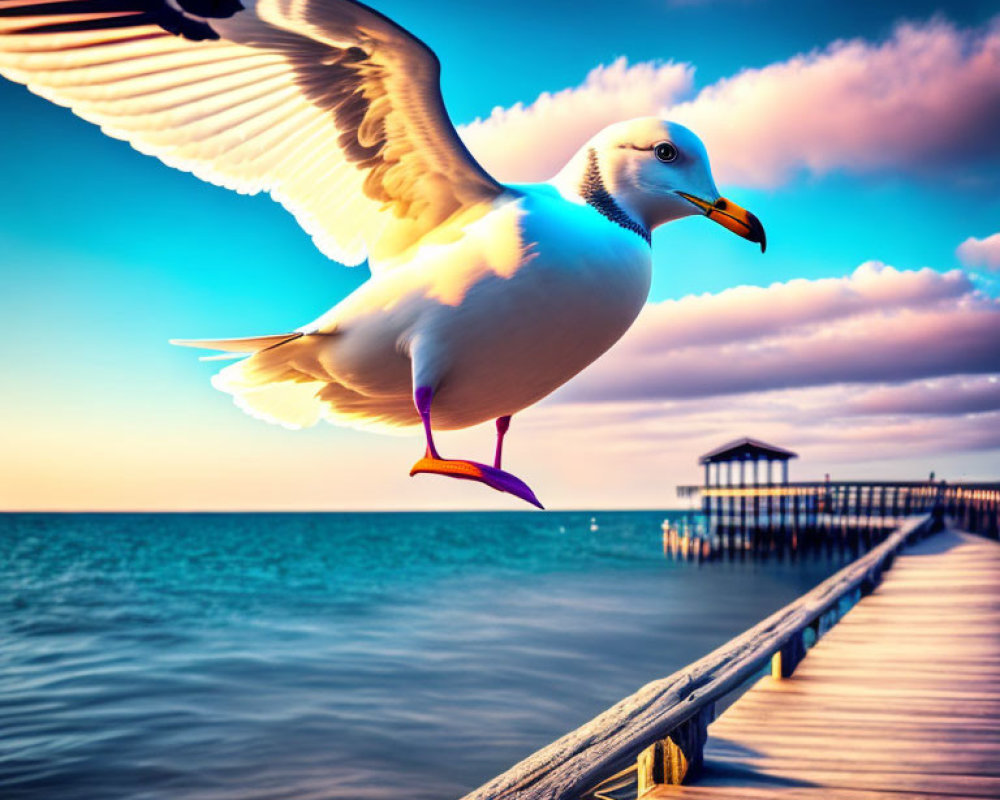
[{"x": 364, "y": 656}]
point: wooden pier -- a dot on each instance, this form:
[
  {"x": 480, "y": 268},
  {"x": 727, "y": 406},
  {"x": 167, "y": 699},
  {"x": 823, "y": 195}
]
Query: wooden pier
[
  {"x": 846, "y": 516},
  {"x": 900, "y": 700},
  {"x": 796, "y": 509},
  {"x": 742, "y": 501}
]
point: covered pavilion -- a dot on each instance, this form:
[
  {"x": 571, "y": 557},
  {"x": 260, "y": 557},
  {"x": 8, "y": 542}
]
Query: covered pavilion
[{"x": 743, "y": 452}]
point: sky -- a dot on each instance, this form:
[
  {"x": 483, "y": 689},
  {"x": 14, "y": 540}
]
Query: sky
[{"x": 866, "y": 339}]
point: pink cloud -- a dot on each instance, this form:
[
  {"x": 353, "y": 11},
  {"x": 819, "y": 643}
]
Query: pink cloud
[
  {"x": 877, "y": 325},
  {"x": 953, "y": 395},
  {"x": 532, "y": 142},
  {"x": 926, "y": 99},
  {"x": 975, "y": 252},
  {"x": 847, "y": 421},
  {"x": 751, "y": 312}
]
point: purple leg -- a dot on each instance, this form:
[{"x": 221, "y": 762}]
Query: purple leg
[
  {"x": 503, "y": 425},
  {"x": 422, "y": 398},
  {"x": 494, "y": 477}
]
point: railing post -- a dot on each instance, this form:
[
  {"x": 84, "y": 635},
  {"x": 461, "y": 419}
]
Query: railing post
[
  {"x": 871, "y": 581},
  {"x": 677, "y": 758},
  {"x": 787, "y": 658}
]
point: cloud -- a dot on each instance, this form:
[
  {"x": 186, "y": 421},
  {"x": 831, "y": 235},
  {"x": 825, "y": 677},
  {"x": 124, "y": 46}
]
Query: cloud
[
  {"x": 975, "y": 252},
  {"x": 927, "y": 99},
  {"x": 877, "y": 325},
  {"x": 532, "y": 142},
  {"x": 752, "y": 312},
  {"x": 846, "y": 421},
  {"x": 953, "y": 395}
]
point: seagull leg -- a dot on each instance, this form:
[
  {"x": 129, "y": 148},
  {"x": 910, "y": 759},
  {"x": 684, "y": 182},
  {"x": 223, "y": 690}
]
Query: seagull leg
[
  {"x": 422, "y": 399},
  {"x": 493, "y": 477},
  {"x": 503, "y": 425}
]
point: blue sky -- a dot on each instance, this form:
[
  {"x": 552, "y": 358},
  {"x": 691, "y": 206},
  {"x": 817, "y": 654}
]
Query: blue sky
[{"x": 105, "y": 254}]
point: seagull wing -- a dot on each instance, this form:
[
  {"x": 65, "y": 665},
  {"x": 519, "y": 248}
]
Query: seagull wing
[{"x": 326, "y": 104}]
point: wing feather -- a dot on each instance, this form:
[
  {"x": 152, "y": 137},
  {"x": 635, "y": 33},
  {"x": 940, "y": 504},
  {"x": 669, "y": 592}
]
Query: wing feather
[{"x": 326, "y": 104}]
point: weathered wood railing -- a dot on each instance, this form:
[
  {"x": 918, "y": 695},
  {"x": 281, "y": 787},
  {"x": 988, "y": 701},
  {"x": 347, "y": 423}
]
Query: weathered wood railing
[{"x": 660, "y": 731}]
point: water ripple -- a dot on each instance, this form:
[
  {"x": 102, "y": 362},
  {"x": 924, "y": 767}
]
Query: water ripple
[{"x": 225, "y": 657}]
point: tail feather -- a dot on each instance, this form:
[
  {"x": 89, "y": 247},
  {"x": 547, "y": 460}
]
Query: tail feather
[
  {"x": 248, "y": 344},
  {"x": 287, "y": 379}
]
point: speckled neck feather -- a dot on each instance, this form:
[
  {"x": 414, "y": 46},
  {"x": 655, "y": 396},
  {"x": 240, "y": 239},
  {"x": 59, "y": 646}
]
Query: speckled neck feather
[{"x": 593, "y": 191}]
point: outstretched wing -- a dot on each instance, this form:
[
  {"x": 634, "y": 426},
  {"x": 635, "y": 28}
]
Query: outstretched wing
[{"x": 326, "y": 104}]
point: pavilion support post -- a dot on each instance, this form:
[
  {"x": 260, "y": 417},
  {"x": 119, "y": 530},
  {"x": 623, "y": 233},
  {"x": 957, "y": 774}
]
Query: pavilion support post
[
  {"x": 724, "y": 520},
  {"x": 713, "y": 519},
  {"x": 756, "y": 494},
  {"x": 722, "y": 499},
  {"x": 768, "y": 500},
  {"x": 730, "y": 498},
  {"x": 796, "y": 512},
  {"x": 784, "y": 481},
  {"x": 743, "y": 497}
]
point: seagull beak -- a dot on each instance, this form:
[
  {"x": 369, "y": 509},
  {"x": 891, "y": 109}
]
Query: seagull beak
[{"x": 729, "y": 215}]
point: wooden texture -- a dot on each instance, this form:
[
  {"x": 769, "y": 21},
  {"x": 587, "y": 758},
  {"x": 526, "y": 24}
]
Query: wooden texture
[
  {"x": 681, "y": 705},
  {"x": 901, "y": 699}
]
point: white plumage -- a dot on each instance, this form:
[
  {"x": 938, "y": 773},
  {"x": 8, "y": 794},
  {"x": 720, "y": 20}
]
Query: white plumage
[{"x": 484, "y": 297}]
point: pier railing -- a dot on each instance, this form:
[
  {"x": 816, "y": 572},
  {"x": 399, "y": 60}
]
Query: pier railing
[
  {"x": 793, "y": 509},
  {"x": 974, "y": 507},
  {"x": 657, "y": 735}
]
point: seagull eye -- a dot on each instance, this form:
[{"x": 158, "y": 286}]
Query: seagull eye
[{"x": 665, "y": 152}]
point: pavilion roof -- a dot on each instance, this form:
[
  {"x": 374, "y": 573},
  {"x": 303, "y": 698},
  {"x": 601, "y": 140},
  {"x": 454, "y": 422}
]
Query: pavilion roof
[{"x": 747, "y": 449}]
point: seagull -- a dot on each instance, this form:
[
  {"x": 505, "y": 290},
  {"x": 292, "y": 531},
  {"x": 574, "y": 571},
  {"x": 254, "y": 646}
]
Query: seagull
[{"x": 483, "y": 297}]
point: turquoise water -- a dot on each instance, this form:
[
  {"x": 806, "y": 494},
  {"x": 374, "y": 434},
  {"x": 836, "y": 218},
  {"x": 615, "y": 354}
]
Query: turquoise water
[{"x": 361, "y": 656}]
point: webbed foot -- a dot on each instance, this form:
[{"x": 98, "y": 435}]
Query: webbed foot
[{"x": 474, "y": 471}]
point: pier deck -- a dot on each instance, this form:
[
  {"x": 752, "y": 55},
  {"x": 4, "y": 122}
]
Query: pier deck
[{"x": 901, "y": 699}]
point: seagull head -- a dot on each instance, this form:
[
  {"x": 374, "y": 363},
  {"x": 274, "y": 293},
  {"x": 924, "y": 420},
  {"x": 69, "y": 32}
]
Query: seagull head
[{"x": 653, "y": 171}]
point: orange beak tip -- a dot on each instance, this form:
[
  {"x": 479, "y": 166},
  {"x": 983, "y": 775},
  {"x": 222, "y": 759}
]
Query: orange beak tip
[{"x": 731, "y": 216}]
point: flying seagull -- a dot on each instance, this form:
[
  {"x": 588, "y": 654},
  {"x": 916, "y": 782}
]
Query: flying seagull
[{"x": 483, "y": 297}]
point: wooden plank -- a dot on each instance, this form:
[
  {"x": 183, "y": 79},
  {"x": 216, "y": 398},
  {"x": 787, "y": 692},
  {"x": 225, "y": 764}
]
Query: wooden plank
[
  {"x": 901, "y": 699},
  {"x": 740, "y": 790},
  {"x": 864, "y": 736}
]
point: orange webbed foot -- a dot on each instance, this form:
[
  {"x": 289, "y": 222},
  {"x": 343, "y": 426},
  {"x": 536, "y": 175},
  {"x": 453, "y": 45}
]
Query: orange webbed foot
[{"x": 481, "y": 473}]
